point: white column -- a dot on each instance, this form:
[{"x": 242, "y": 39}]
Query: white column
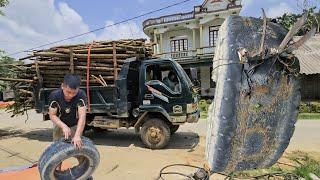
[
  {"x": 201, "y": 36},
  {"x": 155, "y": 40},
  {"x": 194, "y": 39},
  {"x": 161, "y": 43}
]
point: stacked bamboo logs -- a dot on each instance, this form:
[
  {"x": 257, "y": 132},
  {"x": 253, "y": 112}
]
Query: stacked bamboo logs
[
  {"x": 106, "y": 60},
  {"x": 49, "y": 66}
]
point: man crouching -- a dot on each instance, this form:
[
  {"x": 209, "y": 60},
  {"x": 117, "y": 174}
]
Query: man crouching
[{"x": 67, "y": 110}]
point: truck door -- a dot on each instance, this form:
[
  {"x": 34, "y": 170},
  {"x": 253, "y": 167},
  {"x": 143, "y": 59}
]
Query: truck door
[{"x": 163, "y": 87}]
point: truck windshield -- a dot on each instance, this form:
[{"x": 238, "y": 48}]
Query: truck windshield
[{"x": 185, "y": 76}]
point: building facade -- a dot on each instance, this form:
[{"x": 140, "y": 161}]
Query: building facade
[{"x": 190, "y": 38}]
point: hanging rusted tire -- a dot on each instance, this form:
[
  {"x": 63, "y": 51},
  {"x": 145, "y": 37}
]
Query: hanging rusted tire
[
  {"x": 253, "y": 115},
  {"x": 61, "y": 150}
]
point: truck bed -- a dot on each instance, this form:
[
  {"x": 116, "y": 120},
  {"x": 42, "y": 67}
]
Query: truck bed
[{"x": 103, "y": 99}]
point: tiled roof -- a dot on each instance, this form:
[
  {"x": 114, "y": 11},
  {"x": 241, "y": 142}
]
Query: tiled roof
[{"x": 309, "y": 56}]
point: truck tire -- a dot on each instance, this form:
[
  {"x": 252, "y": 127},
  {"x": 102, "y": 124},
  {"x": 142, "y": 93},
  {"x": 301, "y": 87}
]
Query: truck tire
[
  {"x": 62, "y": 150},
  {"x": 155, "y": 134},
  {"x": 174, "y": 128},
  {"x": 252, "y": 118}
]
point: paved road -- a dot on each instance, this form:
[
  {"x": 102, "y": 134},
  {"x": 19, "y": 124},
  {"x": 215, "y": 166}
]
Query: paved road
[{"x": 306, "y": 136}]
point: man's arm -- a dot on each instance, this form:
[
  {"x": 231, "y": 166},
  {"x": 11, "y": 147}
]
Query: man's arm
[
  {"x": 82, "y": 120},
  {"x": 56, "y": 120},
  {"x": 82, "y": 113}
]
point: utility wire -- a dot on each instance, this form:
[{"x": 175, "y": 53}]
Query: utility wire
[{"x": 101, "y": 28}]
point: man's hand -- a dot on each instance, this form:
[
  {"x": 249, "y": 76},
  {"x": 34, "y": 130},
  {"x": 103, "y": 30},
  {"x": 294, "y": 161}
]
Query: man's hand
[
  {"x": 77, "y": 141},
  {"x": 66, "y": 131}
]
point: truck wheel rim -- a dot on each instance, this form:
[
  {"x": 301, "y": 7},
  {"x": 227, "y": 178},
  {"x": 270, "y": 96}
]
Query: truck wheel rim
[{"x": 154, "y": 135}]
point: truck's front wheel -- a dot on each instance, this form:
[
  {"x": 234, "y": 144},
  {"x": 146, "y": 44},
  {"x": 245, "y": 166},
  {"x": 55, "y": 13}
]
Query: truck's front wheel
[{"x": 155, "y": 134}]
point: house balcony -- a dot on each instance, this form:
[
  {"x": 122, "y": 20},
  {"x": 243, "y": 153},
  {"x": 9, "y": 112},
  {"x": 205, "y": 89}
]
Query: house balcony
[
  {"x": 178, "y": 54},
  {"x": 189, "y": 56},
  {"x": 206, "y": 51},
  {"x": 168, "y": 19}
]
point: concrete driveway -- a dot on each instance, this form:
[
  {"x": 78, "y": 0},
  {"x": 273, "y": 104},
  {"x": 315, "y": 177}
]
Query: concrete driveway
[{"x": 122, "y": 154}]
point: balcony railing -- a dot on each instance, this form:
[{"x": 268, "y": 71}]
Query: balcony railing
[
  {"x": 201, "y": 52},
  {"x": 168, "y": 19},
  {"x": 177, "y": 55},
  {"x": 205, "y": 50}
]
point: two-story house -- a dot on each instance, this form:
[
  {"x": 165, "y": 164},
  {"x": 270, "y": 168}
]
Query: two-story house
[{"x": 190, "y": 38}]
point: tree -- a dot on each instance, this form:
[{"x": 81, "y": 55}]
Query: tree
[
  {"x": 3, "y": 3},
  {"x": 4, "y": 59},
  {"x": 6, "y": 69},
  {"x": 287, "y": 20}
]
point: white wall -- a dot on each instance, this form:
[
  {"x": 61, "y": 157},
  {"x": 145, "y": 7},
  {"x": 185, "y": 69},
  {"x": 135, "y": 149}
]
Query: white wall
[
  {"x": 205, "y": 81},
  {"x": 176, "y": 34},
  {"x": 216, "y": 22}
]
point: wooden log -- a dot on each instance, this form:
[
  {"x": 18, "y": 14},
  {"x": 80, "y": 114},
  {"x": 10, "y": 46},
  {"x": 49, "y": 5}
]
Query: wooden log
[
  {"x": 51, "y": 54},
  {"x": 93, "y": 56},
  {"x": 78, "y": 72},
  {"x": 17, "y": 80},
  {"x": 100, "y": 50},
  {"x": 105, "y": 61},
  {"x": 67, "y": 64},
  {"x": 54, "y": 63},
  {"x": 26, "y": 91},
  {"x": 66, "y": 68},
  {"x": 71, "y": 61},
  {"x": 115, "y": 72},
  {"x": 27, "y": 57},
  {"x": 101, "y": 56}
]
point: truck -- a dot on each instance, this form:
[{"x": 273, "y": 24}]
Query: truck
[{"x": 140, "y": 99}]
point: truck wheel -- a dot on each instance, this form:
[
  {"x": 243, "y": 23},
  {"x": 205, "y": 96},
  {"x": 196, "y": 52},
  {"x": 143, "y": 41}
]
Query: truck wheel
[
  {"x": 88, "y": 158},
  {"x": 155, "y": 134},
  {"x": 174, "y": 128},
  {"x": 253, "y": 115}
]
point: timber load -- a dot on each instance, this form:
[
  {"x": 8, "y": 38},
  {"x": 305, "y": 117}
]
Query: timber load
[{"x": 101, "y": 60}]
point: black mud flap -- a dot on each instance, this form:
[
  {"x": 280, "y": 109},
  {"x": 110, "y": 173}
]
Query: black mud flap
[{"x": 256, "y": 102}]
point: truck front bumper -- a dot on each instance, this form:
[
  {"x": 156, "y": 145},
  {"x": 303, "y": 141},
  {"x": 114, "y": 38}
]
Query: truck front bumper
[{"x": 193, "y": 117}]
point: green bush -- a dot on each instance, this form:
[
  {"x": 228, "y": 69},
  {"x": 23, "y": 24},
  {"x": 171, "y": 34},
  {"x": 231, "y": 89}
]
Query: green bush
[
  {"x": 203, "y": 105},
  {"x": 309, "y": 107}
]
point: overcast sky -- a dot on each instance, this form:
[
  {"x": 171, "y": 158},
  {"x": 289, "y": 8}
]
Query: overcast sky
[{"x": 30, "y": 23}]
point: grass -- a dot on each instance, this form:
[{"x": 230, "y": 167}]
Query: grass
[
  {"x": 301, "y": 165},
  {"x": 302, "y": 116},
  {"x": 306, "y": 165},
  {"x": 313, "y": 116}
]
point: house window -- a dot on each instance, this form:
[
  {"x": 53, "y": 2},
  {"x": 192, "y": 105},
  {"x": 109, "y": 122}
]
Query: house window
[
  {"x": 179, "y": 45},
  {"x": 213, "y": 35}
]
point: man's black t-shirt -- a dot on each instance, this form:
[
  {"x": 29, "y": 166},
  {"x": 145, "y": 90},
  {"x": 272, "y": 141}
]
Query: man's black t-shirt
[{"x": 67, "y": 111}]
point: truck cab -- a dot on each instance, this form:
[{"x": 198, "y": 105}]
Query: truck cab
[
  {"x": 159, "y": 105},
  {"x": 155, "y": 96}
]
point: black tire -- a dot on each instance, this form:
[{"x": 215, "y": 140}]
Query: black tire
[
  {"x": 61, "y": 150},
  {"x": 250, "y": 126},
  {"x": 174, "y": 128},
  {"x": 155, "y": 134}
]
